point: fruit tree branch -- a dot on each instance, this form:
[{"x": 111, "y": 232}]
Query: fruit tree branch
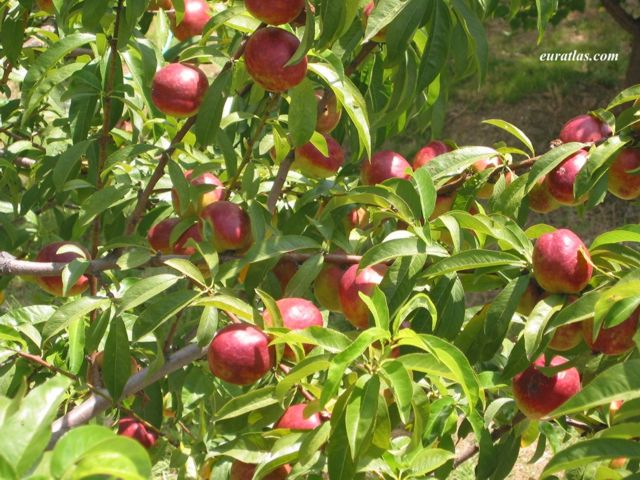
[
  {"x": 622, "y": 18},
  {"x": 364, "y": 52},
  {"x": 10, "y": 265},
  {"x": 96, "y": 404},
  {"x": 278, "y": 183}
]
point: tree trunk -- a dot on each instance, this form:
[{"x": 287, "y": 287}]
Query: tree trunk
[{"x": 633, "y": 70}]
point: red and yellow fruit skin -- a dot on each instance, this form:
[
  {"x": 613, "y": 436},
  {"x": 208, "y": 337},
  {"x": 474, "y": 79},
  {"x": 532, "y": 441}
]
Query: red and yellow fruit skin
[
  {"x": 561, "y": 262},
  {"x": 354, "y": 281},
  {"x": 384, "y": 165},
  {"x": 49, "y": 253},
  {"x": 481, "y": 165},
  {"x": 245, "y": 471},
  {"x": 296, "y": 313},
  {"x": 160, "y": 5},
  {"x": 329, "y": 111},
  {"x": 561, "y": 179},
  {"x": 284, "y": 271},
  {"x": 540, "y": 199},
  {"x": 566, "y": 337},
  {"x": 132, "y": 428},
  {"x": 207, "y": 178},
  {"x": 537, "y": 395},
  {"x": 159, "y": 237},
  {"x": 295, "y": 419},
  {"x": 584, "y": 128},
  {"x": 615, "y": 340},
  {"x": 178, "y": 89},
  {"x": 325, "y": 287},
  {"x": 240, "y": 354},
  {"x": 313, "y": 164},
  {"x": 444, "y": 202},
  {"x": 530, "y": 298},
  {"x": 621, "y": 183},
  {"x": 45, "y": 5},
  {"x": 267, "y": 52},
  {"x": 231, "y": 226},
  {"x": 196, "y": 16},
  {"x": 357, "y": 217},
  {"x": 275, "y": 12},
  {"x": 429, "y": 152}
]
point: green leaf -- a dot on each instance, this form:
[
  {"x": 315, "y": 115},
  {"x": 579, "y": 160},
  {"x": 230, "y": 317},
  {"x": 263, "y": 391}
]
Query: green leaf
[
  {"x": 378, "y": 307},
  {"x": 24, "y": 435},
  {"x": 438, "y": 43},
  {"x": 210, "y": 112},
  {"x": 229, "y": 304},
  {"x": 71, "y": 311},
  {"x": 307, "y": 39},
  {"x": 67, "y": 161},
  {"x": 399, "y": 247},
  {"x": 426, "y": 191},
  {"x": 350, "y": 98},
  {"x": 382, "y": 15},
  {"x": 313, "y": 442},
  {"x": 188, "y": 268},
  {"x": 343, "y": 359},
  {"x": 117, "y": 359},
  {"x": 304, "y": 277},
  {"x": 161, "y": 309},
  {"x": 46, "y": 61},
  {"x": 546, "y": 9},
  {"x": 473, "y": 259},
  {"x": 627, "y": 233},
  {"x": 207, "y": 326},
  {"x": 99, "y": 202},
  {"x": 513, "y": 130},
  {"x": 588, "y": 451},
  {"x": 248, "y": 402},
  {"x": 427, "y": 460},
  {"x": 360, "y": 413},
  {"x": 307, "y": 366},
  {"x": 339, "y": 463},
  {"x": 74, "y": 445},
  {"x": 594, "y": 170},
  {"x": 76, "y": 345},
  {"x": 619, "y": 382},
  {"x": 477, "y": 35},
  {"x": 277, "y": 245},
  {"x": 629, "y": 95},
  {"x": 118, "y": 457},
  {"x": 145, "y": 289},
  {"x": 399, "y": 382},
  {"x": 537, "y": 322},
  {"x": 302, "y": 113},
  {"x": 456, "y": 161}
]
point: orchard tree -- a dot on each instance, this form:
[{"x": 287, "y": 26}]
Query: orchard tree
[{"x": 215, "y": 268}]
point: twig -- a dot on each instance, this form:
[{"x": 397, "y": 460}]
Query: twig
[
  {"x": 364, "y": 52},
  {"x": 42, "y": 362},
  {"x": 96, "y": 404},
  {"x": 278, "y": 183},
  {"x": 626, "y": 21}
]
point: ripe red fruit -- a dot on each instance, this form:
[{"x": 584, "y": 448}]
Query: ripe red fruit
[
  {"x": 615, "y": 340},
  {"x": 275, "y": 12},
  {"x": 561, "y": 179},
  {"x": 295, "y": 419},
  {"x": 160, "y": 4},
  {"x": 381, "y": 36},
  {"x": 231, "y": 226},
  {"x": 204, "y": 199},
  {"x": 384, "y": 165},
  {"x": 584, "y": 128},
  {"x": 196, "y": 16},
  {"x": 537, "y": 395},
  {"x": 240, "y": 354},
  {"x": 45, "y": 5},
  {"x": 267, "y": 52},
  {"x": 178, "y": 89},
  {"x": 132, "y": 428},
  {"x": 621, "y": 183},
  {"x": 245, "y": 471},
  {"x": 357, "y": 217},
  {"x": 62, "y": 252},
  {"x": 540, "y": 199},
  {"x": 353, "y": 282},
  {"x": 312, "y": 163},
  {"x": 561, "y": 262},
  {"x": 429, "y": 152},
  {"x": 325, "y": 287},
  {"x": 531, "y": 296},
  {"x": 296, "y": 313},
  {"x": 566, "y": 337},
  {"x": 159, "y": 237},
  {"x": 329, "y": 111},
  {"x": 284, "y": 271}
]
